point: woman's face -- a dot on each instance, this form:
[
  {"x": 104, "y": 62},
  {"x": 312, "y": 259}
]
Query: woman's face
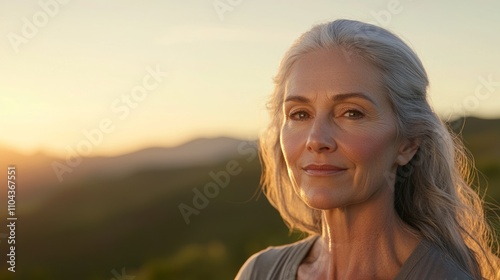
[{"x": 339, "y": 132}]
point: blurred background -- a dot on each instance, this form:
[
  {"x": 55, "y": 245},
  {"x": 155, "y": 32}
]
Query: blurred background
[{"x": 133, "y": 125}]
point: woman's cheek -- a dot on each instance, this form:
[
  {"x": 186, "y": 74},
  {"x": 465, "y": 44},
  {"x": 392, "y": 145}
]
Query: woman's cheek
[
  {"x": 369, "y": 145},
  {"x": 291, "y": 143}
]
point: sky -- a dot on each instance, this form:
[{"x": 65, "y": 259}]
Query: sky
[{"x": 110, "y": 77}]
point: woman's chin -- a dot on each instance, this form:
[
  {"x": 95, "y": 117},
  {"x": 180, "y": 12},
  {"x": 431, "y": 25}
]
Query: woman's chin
[{"x": 324, "y": 199}]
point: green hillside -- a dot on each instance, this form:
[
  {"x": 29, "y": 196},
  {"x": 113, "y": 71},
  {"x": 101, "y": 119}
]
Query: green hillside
[
  {"x": 110, "y": 227},
  {"x": 133, "y": 222},
  {"x": 482, "y": 139}
]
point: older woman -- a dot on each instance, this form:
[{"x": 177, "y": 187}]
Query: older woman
[{"x": 356, "y": 157}]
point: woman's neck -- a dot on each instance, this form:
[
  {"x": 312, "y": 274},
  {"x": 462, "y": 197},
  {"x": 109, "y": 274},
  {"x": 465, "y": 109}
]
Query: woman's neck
[{"x": 366, "y": 240}]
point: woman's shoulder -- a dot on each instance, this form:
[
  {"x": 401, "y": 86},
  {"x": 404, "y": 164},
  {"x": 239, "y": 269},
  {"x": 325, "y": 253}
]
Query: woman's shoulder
[
  {"x": 430, "y": 262},
  {"x": 277, "y": 262}
]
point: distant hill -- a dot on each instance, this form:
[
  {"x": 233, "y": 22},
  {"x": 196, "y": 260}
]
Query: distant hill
[
  {"x": 482, "y": 138},
  {"x": 200, "y": 151},
  {"x": 39, "y": 178}
]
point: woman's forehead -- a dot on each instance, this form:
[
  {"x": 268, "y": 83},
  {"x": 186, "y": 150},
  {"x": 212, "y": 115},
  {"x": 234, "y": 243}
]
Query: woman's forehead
[{"x": 332, "y": 71}]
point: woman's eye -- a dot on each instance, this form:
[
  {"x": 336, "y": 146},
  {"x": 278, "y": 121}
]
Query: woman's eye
[
  {"x": 353, "y": 114},
  {"x": 299, "y": 116}
]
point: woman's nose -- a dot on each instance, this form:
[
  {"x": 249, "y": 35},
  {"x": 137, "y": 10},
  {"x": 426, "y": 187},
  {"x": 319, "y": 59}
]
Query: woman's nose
[{"x": 321, "y": 137}]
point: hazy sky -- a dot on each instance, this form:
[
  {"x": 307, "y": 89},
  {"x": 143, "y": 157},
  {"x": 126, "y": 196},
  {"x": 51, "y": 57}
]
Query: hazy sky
[{"x": 80, "y": 65}]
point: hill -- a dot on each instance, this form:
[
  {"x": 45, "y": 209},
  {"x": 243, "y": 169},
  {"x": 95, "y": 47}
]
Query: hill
[
  {"x": 104, "y": 221},
  {"x": 481, "y": 137},
  {"x": 159, "y": 212}
]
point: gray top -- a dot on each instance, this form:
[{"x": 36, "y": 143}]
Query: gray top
[{"x": 425, "y": 262}]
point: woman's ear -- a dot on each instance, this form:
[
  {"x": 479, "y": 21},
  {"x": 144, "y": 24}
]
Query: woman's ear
[{"x": 407, "y": 150}]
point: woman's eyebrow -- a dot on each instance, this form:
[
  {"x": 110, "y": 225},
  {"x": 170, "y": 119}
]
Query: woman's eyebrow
[
  {"x": 336, "y": 98},
  {"x": 297, "y": 98},
  {"x": 343, "y": 96}
]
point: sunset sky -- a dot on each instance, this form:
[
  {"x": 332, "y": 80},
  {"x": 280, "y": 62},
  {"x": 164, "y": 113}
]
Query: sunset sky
[{"x": 69, "y": 68}]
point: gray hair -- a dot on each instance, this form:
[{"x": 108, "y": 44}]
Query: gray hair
[{"x": 432, "y": 193}]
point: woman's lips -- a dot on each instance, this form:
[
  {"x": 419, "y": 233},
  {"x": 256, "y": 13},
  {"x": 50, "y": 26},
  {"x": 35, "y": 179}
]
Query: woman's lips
[{"x": 322, "y": 169}]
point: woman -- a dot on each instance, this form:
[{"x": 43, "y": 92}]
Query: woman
[{"x": 355, "y": 157}]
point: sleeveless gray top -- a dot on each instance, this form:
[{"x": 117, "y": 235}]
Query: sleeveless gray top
[{"x": 425, "y": 262}]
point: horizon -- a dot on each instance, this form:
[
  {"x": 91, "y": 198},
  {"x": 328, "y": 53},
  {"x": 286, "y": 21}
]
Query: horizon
[
  {"x": 167, "y": 146},
  {"x": 125, "y": 152},
  {"x": 160, "y": 74}
]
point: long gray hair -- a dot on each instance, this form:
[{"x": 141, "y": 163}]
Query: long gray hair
[{"x": 432, "y": 193}]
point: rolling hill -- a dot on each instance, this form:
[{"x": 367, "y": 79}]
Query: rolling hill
[{"x": 122, "y": 215}]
